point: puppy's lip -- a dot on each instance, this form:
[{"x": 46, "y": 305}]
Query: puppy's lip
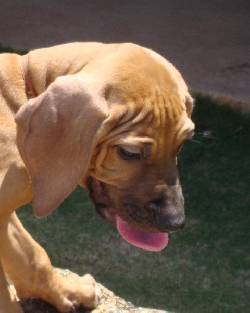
[
  {"x": 99, "y": 199},
  {"x": 107, "y": 213},
  {"x": 153, "y": 241}
]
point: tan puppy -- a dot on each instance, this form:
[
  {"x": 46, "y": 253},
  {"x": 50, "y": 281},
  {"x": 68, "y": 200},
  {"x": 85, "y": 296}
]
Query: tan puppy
[{"x": 110, "y": 117}]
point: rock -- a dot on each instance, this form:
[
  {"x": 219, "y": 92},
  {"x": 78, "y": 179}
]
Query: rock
[{"x": 108, "y": 303}]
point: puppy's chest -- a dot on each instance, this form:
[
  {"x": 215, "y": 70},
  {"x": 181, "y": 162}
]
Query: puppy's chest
[{"x": 8, "y": 148}]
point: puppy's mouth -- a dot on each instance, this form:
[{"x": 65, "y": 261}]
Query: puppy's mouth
[{"x": 151, "y": 241}]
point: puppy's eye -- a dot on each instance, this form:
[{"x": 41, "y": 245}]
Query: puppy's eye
[{"x": 128, "y": 154}]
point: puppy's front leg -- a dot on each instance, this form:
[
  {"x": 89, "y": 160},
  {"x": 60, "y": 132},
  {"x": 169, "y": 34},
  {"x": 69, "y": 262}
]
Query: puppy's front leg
[
  {"x": 29, "y": 267},
  {"x": 7, "y": 304}
]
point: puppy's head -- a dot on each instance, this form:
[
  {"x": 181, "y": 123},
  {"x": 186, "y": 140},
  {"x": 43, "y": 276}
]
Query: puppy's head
[
  {"x": 133, "y": 178},
  {"x": 116, "y": 128}
]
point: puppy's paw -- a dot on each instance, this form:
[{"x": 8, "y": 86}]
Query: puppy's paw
[
  {"x": 64, "y": 290},
  {"x": 76, "y": 291}
]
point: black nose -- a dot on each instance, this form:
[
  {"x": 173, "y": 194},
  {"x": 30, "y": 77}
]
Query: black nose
[
  {"x": 169, "y": 222},
  {"x": 168, "y": 217}
]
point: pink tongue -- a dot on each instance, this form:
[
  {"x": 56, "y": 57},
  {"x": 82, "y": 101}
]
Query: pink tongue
[{"x": 144, "y": 240}]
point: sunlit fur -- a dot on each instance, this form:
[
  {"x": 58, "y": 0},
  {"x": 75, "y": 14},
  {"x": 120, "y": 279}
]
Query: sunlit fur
[
  {"x": 147, "y": 106},
  {"x": 87, "y": 99}
]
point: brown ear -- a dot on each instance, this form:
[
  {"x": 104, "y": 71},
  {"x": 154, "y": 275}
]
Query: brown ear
[{"x": 56, "y": 134}]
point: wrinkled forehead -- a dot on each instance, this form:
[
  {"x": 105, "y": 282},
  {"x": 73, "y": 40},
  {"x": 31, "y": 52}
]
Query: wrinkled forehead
[
  {"x": 161, "y": 120},
  {"x": 165, "y": 119},
  {"x": 151, "y": 93}
]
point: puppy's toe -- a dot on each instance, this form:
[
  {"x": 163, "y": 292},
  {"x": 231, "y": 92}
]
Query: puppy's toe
[{"x": 88, "y": 280}]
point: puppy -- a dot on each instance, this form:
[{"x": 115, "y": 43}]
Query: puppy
[{"x": 108, "y": 117}]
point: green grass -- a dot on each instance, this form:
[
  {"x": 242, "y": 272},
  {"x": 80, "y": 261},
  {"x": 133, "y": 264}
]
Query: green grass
[
  {"x": 8, "y": 49},
  {"x": 206, "y": 266}
]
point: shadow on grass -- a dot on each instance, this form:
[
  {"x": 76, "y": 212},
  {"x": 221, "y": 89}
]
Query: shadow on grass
[
  {"x": 7, "y": 49},
  {"x": 206, "y": 266}
]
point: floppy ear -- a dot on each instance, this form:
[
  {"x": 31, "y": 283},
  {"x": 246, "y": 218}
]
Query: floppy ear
[{"x": 56, "y": 134}]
